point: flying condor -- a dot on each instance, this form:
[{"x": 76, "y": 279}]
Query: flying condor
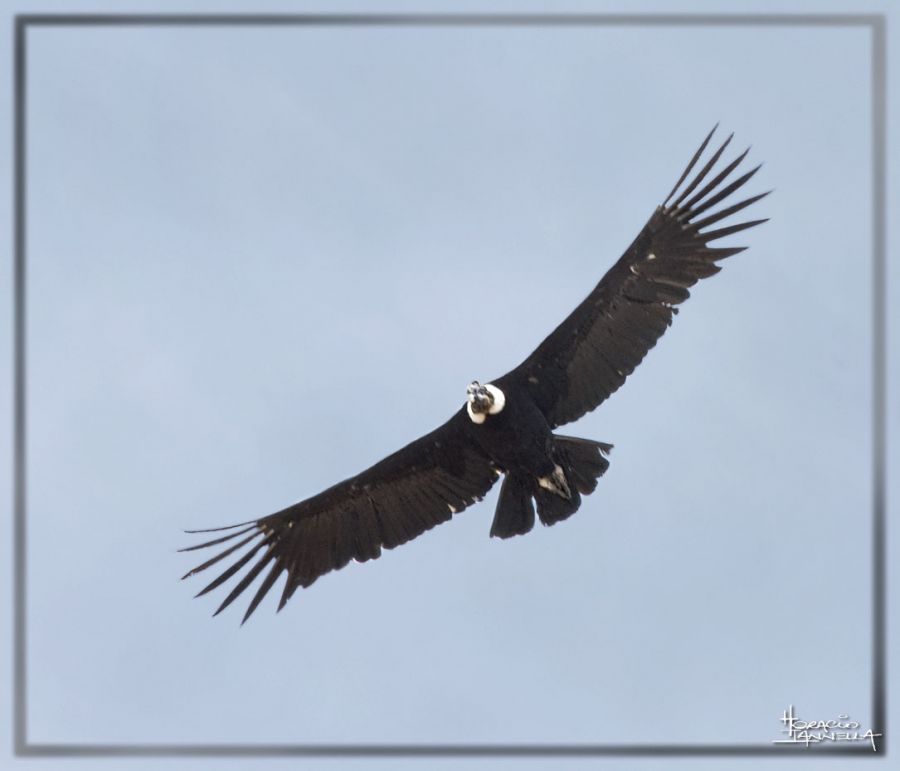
[{"x": 505, "y": 427}]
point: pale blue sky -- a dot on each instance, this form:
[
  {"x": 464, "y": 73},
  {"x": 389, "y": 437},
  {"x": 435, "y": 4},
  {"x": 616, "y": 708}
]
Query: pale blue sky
[{"x": 243, "y": 244}]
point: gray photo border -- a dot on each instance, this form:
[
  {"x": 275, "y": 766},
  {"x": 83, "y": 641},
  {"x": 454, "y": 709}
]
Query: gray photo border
[{"x": 876, "y": 23}]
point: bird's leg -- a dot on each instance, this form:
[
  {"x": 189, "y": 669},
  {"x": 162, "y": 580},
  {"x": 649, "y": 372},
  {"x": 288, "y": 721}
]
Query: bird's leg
[{"x": 556, "y": 483}]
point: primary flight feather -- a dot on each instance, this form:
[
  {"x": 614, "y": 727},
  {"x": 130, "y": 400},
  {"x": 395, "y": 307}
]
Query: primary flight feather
[{"x": 505, "y": 428}]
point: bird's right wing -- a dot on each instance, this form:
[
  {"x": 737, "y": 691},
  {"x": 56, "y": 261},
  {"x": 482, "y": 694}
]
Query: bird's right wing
[
  {"x": 589, "y": 355},
  {"x": 390, "y": 503}
]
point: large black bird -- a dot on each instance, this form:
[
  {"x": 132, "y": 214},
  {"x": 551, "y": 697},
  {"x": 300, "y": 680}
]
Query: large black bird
[{"x": 505, "y": 428}]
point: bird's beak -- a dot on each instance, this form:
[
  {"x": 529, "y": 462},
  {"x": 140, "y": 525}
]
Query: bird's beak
[{"x": 482, "y": 401}]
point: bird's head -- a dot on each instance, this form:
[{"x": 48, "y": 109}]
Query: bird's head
[
  {"x": 480, "y": 399},
  {"x": 483, "y": 400}
]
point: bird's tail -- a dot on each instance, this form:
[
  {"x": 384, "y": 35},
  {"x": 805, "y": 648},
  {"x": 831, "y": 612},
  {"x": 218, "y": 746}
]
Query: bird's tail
[
  {"x": 515, "y": 509},
  {"x": 583, "y": 459},
  {"x": 583, "y": 462}
]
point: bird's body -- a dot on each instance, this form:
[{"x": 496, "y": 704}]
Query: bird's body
[
  {"x": 506, "y": 427},
  {"x": 517, "y": 437},
  {"x": 536, "y": 463}
]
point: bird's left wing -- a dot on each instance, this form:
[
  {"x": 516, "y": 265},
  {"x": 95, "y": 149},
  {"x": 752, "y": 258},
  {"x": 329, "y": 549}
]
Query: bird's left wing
[
  {"x": 589, "y": 355},
  {"x": 390, "y": 503}
]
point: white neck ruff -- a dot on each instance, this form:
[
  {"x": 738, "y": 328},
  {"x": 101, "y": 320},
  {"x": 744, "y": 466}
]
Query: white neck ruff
[{"x": 497, "y": 406}]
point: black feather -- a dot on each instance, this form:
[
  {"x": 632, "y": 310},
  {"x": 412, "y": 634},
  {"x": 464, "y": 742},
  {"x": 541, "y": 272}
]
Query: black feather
[{"x": 654, "y": 274}]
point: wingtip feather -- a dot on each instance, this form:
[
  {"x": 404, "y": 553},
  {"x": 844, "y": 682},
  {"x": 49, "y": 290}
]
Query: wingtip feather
[
  {"x": 701, "y": 175},
  {"x": 218, "y": 529},
  {"x": 712, "y": 235},
  {"x": 691, "y": 164},
  {"x": 216, "y": 541}
]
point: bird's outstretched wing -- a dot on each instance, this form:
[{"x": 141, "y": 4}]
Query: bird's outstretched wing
[
  {"x": 589, "y": 355},
  {"x": 390, "y": 503}
]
